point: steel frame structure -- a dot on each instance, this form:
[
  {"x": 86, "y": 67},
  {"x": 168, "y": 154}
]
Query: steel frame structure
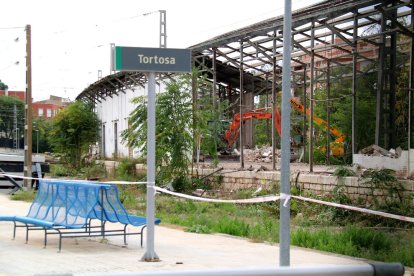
[{"x": 335, "y": 33}]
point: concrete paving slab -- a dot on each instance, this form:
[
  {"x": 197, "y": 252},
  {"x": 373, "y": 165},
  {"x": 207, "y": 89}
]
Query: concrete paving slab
[{"x": 178, "y": 250}]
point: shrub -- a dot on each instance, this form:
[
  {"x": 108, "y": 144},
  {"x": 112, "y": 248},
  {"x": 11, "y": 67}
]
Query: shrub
[
  {"x": 61, "y": 170},
  {"x": 343, "y": 172}
]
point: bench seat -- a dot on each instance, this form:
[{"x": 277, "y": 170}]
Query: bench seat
[{"x": 34, "y": 221}]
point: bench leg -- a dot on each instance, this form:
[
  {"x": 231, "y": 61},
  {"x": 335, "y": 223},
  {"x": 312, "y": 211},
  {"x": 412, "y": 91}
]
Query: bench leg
[
  {"x": 60, "y": 240},
  {"x": 142, "y": 234},
  {"x": 14, "y": 230},
  {"x": 45, "y": 238},
  {"x": 27, "y": 233},
  {"x": 88, "y": 226},
  {"x": 125, "y": 242},
  {"x": 103, "y": 229}
]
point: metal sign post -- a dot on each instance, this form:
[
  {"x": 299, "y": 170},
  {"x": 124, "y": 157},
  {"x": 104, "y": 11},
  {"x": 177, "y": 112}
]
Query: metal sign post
[
  {"x": 151, "y": 60},
  {"x": 150, "y": 255}
]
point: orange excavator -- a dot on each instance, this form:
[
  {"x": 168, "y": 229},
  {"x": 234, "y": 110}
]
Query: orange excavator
[{"x": 337, "y": 146}]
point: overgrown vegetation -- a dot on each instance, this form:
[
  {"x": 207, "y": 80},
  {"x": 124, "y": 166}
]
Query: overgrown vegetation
[
  {"x": 387, "y": 192},
  {"x": 313, "y": 226},
  {"x": 178, "y": 126},
  {"x": 343, "y": 172},
  {"x": 61, "y": 170}
]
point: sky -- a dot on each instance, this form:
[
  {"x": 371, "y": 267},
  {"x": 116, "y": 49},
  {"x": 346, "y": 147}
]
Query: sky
[{"x": 71, "y": 39}]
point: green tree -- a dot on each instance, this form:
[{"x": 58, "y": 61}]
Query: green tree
[
  {"x": 73, "y": 130},
  {"x": 174, "y": 127},
  {"x": 3, "y": 86},
  {"x": 7, "y": 115},
  {"x": 41, "y": 129}
]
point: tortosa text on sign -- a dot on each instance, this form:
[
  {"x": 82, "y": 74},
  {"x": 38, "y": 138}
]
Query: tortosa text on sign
[
  {"x": 151, "y": 59},
  {"x": 156, "y": 59}
]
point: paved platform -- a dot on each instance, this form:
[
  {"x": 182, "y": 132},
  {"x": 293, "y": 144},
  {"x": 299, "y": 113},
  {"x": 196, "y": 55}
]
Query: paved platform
[{"x": 178, "y": 250}]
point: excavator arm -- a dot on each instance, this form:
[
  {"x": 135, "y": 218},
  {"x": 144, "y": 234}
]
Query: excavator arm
[
  {"x": 232, "y": 132},
  {"x": 340, "y": 137},
  {"x": 234, "y": 128}
]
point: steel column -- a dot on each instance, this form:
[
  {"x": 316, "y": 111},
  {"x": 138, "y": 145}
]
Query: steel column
[
  {"x": 304, "y": 134},
  {"x": 215, "y": 100},
  {"x": 354, "y": 72},
  {"x": 380, "y": 83},
  {"x": 328, "y": 112},
  {"x": 312, "y": 76},
  {"x": 274, "y": 104},
  {"x": 241, "y": 132},
  {"x": 392, "y": 141},
  {"x": 410, "y": 90}
]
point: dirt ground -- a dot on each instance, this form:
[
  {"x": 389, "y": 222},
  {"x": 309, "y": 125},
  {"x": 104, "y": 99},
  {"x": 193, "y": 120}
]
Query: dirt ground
[{"x": 267, "y": 166}]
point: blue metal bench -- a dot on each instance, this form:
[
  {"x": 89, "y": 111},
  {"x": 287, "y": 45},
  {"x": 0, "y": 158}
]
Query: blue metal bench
[{"x": 67, "y": 209}]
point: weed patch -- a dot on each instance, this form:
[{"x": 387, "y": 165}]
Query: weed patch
[{"x": 27, "y": 196}]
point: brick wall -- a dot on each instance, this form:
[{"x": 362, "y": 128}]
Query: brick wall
[{"x": 315, "y": 184}]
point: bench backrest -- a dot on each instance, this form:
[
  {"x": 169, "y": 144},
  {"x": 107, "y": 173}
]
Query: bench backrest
[
  {"x": 114, "y": 211},
  {"x": 67, "y": 204}
]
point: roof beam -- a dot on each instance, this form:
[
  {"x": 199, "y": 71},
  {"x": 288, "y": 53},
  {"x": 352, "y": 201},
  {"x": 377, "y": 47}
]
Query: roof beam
[{"x": 400, "y": 26}]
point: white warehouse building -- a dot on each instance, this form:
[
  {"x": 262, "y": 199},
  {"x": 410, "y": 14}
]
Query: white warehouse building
[{"x": 112, "y": 97}]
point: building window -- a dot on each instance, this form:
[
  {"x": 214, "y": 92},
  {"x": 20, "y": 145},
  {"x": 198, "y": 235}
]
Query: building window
[
  {"x": 49, "y": 112},
  {"x": 40, "y": 112}
]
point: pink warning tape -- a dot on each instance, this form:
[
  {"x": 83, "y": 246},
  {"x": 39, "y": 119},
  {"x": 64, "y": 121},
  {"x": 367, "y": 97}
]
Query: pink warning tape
[
  {"x": 358, "y": 209},
  {"x": 248, "y": 200},
  {"x": 286, "y": 198}
]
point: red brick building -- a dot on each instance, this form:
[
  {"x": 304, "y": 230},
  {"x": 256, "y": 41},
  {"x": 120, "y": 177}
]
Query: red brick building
[
  {"x": 49, "y": 108},
  {"x": 45, "y": 109},
  {"x": 17, "y": 94}
]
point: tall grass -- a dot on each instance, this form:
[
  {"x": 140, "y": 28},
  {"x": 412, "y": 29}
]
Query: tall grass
[
  {"x": 259, "y": 224},
  {"x": 355, "y": 241}
]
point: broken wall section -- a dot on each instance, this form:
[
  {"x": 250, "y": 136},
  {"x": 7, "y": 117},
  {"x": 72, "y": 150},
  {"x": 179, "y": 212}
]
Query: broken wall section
[{"x": 402, "y": 163}]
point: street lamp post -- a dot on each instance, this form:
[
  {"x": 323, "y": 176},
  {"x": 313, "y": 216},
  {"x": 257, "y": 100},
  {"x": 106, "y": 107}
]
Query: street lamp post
[
  {"x": 37, "y": 141},
  {"x": 17, "y": 139}
]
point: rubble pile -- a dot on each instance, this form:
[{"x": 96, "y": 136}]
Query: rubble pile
[
  {"x": 263, "y": 154},
  {"x": 375, "y": 150}
]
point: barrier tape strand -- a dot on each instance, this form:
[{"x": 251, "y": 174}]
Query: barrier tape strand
[{"x": 282, "y": 196}]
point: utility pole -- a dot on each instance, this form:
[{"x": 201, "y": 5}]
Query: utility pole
[{"x": 28, "y": 111}]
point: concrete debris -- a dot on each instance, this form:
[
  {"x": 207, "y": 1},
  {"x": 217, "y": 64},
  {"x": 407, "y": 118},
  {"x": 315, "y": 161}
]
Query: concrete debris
[
  {"x": 375, "y": 150},
  {"x": 263, "y": 154},
  {"x": 260, "y": 168}
]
